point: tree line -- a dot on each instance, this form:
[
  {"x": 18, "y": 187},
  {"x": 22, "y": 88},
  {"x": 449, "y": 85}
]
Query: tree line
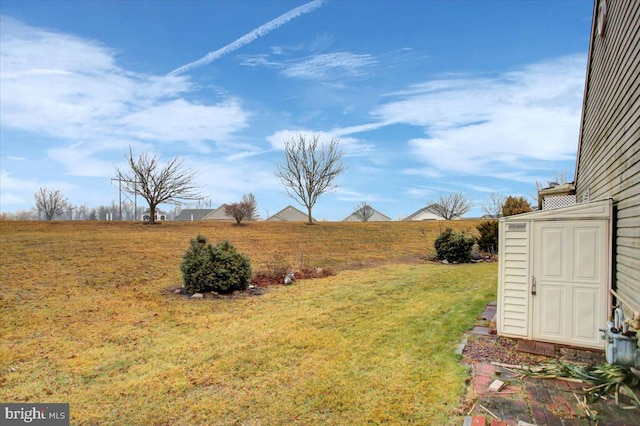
[{"x": 309, "y": 169}]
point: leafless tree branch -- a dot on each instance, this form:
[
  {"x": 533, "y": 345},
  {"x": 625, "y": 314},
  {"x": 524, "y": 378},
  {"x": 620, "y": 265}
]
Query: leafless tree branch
[
  {"x": 451, "y": 206},
  {"x": 157, "y": 183},
  {"x": 309, "y": 169},
  {"x": 364, "y": 212},
  {"x": 50, "y": 202},
  {"x": 245, "y": 209},
  {"x": 493, "y": 205}
]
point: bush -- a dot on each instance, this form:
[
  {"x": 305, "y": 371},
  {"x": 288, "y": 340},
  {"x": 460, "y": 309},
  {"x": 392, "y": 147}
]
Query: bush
[
  {"x": 454, "y": 246},
  {"x": 488, "y": 240},
  {"x": 515, "y": 205},
  {"x": 221, "y": 268}
]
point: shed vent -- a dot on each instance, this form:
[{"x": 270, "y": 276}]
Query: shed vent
[{"x": 517, "y": 227}]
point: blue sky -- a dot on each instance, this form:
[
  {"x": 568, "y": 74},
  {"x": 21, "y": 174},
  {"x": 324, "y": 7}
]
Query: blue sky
[{"x": 426, "y": 97}]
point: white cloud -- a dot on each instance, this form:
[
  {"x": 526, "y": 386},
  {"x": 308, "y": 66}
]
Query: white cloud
[
  {"x": 361, "y": 128},
  {"x": 351, "y": 147},
  {"x": 343, "y": 194},
  {"x": 20, "y": 191},
  {"x": 278, "y": 139},
  {"x": 423, "y": 171},
  {"x": 331, "y": 68},
  {"x": 251, "y": 36},
  {"x": 29, "y": 48},
  {"x": 70, "y": 88},
  {"x": 11, "y": 184},
  {"x": 226, "y": 182},
  {"x": 478, "y": 125},
  {"x": 480, "y": 188},
  {"x": 257, "y": 60},
  {"x": 81, "y": 161},
  {"x": 330, "y": 65},
  {"x": 420, "y": 192},
  {"x": 180, "y": 120},
  {"x": 242, "y": 155}
]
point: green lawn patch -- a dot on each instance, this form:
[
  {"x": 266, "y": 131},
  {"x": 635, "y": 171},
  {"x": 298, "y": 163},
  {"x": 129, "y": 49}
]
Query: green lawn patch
[{"x": 363, "y": 346}]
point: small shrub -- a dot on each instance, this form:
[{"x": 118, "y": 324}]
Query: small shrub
[
  {"x": 488, "y": 240},
  {"x": 275, "y": 269},
  {"x": 515, "y": 205},
  {"x": 277, "y": 266},
  {"x": 219, "y": 268},
  {"x": 454, "y": 246}
]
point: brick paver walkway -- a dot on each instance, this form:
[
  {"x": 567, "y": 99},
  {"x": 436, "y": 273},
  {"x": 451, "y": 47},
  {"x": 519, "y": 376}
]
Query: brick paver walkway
[{"x": 540, "y": 401}]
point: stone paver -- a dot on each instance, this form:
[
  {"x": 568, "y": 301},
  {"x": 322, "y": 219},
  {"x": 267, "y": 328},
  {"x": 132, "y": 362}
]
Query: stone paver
[{"x": 540, "y": 401}]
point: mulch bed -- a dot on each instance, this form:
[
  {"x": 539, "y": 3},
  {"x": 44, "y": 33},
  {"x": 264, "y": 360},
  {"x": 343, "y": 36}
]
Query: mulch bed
[
  {"x": 264, "y": 279},
  {"x": 501, "y": 349}
]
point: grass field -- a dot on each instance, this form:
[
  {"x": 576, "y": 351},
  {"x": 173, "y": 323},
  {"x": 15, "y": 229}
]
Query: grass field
[{"x": 86, "y": 320}]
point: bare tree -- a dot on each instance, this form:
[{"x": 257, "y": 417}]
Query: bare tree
[
  {"x": 493, "y": 205},
  {"x": 451, "y": 206},
  {"x": 559, "y": 178},
  {"x": 157, "y": 183},
  {"x": 245, "y": 209},
  {"x": 363, "y": 212},
  {"x": 309, "y": 169},
  {"x": 68, "y": 214},
  {"x": 22, "y": 215},
  {"x": 128, "y": 211},
  {"x": 82, "y": 212},
  {"x": 50, "y": 202},
  {"x": 251, "y": 206},
  {"x": 203, "y": 203}
]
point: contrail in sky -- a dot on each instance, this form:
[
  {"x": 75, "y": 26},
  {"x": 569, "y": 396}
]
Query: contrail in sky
[{"x": 251, "y": 36}]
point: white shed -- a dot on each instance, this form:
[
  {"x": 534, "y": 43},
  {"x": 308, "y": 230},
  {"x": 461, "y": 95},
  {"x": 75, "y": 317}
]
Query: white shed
[{"x": 555, "y": 273}]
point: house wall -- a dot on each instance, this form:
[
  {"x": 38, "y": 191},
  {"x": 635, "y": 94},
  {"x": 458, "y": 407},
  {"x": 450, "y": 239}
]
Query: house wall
[
  {"x": 288, "y": 214},
  {"x": 192, "y": 214},
  {"x": 218, "y": 214},
  {"x": 425, "y": 215},
  {"x": 609, "y": 150}
]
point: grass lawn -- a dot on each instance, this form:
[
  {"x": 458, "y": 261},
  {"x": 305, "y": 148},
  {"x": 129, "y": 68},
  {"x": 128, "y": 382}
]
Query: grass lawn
[{"x": 85, "y": 321}]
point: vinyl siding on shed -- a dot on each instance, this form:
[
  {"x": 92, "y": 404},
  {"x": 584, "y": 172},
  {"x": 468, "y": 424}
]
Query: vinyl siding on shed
[
  {"x": 609, "y": 150},
  {"x": 514, "y": 279}
]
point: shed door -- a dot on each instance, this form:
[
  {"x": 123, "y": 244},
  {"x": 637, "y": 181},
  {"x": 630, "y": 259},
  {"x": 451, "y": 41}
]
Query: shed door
[{"x": 570, "y": 272}]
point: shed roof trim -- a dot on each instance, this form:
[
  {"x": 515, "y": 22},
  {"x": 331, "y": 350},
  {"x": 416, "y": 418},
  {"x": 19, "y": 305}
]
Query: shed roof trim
[{"x": 600, "y": 209}]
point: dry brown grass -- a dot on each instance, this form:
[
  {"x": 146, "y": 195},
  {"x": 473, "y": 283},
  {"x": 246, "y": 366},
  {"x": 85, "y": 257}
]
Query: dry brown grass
[{"x": 85, "y": 321}]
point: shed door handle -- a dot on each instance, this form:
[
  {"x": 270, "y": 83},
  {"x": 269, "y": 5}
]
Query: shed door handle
[{"x": 533, "y": 285}]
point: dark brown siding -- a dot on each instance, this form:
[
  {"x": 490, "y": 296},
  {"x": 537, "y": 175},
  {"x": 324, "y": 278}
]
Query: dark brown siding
[{"x": 609, "y": 152}]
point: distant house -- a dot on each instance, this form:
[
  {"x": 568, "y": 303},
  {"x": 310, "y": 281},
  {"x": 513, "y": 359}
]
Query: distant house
[
  {"x": 289, "y": 214},
  {"x": 425, "y": 213},
  {"x": 218, "y": 214},
  {"x": 159, "y": 216},
  {"x": 375, "y": 217},
  {"x": 193, "y": 214},
  {"x": 490, "y": 216}
]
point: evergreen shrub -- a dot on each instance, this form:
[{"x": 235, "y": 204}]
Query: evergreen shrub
[
  {"x": 220, "y": 268},
  {"x": 454, "y": 246},
  {"x": 488, "y": 241}
]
